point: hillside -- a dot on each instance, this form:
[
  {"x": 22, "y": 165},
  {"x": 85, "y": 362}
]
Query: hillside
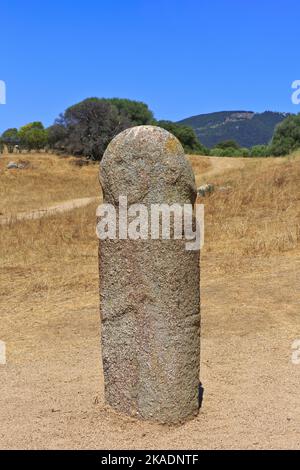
[{"x": 245, "y": 127}]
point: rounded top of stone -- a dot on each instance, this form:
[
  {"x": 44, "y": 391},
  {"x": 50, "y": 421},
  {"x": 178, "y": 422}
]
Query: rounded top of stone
[{"x": 147, "y": 164}]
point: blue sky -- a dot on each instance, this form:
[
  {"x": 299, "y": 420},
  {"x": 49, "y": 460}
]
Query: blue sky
[{"x": 182, "y": 57}]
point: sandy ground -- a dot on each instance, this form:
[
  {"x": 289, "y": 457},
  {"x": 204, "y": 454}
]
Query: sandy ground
[{"x": 51, "y": 388}]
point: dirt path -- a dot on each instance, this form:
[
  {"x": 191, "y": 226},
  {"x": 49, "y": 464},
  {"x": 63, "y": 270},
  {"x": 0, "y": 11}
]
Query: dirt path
[
  {"x": 219, "y": 165},
  {"x": 50, "y": 210},
  {"x": 222, "y": 164}
]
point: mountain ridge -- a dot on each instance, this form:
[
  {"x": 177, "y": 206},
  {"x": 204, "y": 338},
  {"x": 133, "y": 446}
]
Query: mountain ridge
[{"x": 247, "y": 128}]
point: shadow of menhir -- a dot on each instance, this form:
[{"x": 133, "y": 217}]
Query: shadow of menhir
[{"x": 200, "y": 394}]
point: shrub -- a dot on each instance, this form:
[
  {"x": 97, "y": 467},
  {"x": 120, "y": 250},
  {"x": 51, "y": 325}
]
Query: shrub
[
  {"x": 286, "y": 136},
  {"x": 227, "y": 144},
  {"x": 230, "y": 152},
  {"x": 260, "y": 151},
  {"x": 33, "y": 136},
  {"x": 242, "y": 152},
  {"x": 10, "y": 138},
  {"x": 56, "y": 136}
]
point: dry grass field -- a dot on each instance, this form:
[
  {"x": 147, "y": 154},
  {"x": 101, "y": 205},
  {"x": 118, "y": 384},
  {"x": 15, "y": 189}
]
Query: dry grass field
[
  {"x": 52, "y": 387},
  {"x": 47, "y": 180}
]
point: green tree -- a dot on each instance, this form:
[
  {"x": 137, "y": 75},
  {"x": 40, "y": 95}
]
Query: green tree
[
  {"x": 286, "y": 137},
  {"x": 57, "y": 135},
  {"x": 33, "y": 136},
  {"x": 136, "y": 112},
  {"x": 86, "y": 128},
  {"x": 10, "y": 138},
  {"x": 186, "y": 135}
]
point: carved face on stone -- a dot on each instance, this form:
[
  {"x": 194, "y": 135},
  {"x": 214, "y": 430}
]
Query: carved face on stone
[{"x": 147, "y": 164}]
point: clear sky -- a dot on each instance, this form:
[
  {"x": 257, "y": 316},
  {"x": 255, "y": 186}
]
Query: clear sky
[{"x": 182, "y": 57}]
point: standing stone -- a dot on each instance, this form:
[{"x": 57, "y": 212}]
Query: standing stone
[{"x": 149, "y": 289}]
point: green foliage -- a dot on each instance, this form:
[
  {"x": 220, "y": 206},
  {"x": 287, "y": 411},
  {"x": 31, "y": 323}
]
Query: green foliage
[
  {"x": 56, "y": 135},
  {"x": 136, "y": 112},
  {"x": 243, "y": 152},
  {"x": 227, "y": 144},
  {"x": 186, "y": 135},
  {"x": 86, "y": 128},
  {"x": 216, "y": 152},
  {"x": 260, "y": 151},
  {"x": 230, "y": 152},
  {"x": 286, "y": 136},
  {"x": 33, "y": 136},
  {"x": 10, "y": 138}
]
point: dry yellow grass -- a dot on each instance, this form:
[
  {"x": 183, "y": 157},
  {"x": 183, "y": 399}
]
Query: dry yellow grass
[
  {"x": 259, "y": 213},
  {"x": 50, "y": 320},
  {"x": 199, "y": 163},
  {"x": 49, "y": 179},
  {"x": 258, "y": 216}
]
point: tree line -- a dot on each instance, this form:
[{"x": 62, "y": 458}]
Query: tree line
[{"x": 86, "y": 128}]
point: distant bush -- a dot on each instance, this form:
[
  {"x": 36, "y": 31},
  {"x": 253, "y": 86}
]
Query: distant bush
[
  {"x": 10, "y": 138},
  {"x": 260, "y": 151},
  {"x": 33, "y": 136},
  {"x": 230, "y": 152},
  {"x": 243, "y": 152},
  {"x": 56, "y": 136},
  {"x": 229, "y": 148},
  {"x": 215, "y": 152},
  {"x": 286, "y": 136},
  {"x": 227, "y": 144}
]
